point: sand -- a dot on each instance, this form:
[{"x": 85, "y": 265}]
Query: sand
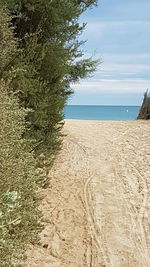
[{"x": 96, "y": 208}]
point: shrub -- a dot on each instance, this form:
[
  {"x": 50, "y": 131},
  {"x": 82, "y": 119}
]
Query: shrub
[
  {"x": 51, "y": 60},
  {"x": 19, "y": 216}
]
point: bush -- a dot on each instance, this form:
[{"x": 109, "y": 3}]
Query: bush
[
  {"x": 19, "y": 216},
  {"x": 51, "y": 60}
]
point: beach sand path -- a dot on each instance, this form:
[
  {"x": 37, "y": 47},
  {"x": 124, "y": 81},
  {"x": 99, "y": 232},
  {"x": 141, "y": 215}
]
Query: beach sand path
[{"x": 97, "y": 206}]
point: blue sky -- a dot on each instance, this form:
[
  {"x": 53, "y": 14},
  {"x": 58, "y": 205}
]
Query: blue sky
[{"x": 117, "y": 32}]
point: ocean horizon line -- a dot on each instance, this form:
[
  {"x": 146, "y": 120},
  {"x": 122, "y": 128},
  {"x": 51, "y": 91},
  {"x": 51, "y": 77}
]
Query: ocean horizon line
[{"x": 105, "y": 105}]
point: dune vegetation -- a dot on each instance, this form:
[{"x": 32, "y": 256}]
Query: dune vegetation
[{"x": 40, "y": 56}]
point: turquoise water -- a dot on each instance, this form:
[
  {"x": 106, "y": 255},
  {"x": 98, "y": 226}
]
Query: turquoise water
[{"x": 115, "y": 113}]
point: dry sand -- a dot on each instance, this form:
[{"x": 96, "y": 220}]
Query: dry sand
[{"x": 97, "y": 205}]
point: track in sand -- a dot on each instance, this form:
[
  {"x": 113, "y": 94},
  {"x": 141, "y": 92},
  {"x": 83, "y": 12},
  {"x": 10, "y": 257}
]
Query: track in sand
[{"x": 96, "y": 210}]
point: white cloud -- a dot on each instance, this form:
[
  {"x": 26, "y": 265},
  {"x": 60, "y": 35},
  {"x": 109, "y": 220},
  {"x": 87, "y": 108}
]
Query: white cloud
[
  {"x": 119, "y": 22},
  {"x": 124, "y": 67},
  {"x": 100, "y": 27},
  {"x": 124, "y": 57},
  {"x": 113, "y": 86}
]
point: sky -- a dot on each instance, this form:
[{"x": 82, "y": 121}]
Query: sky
[{"x": 117, "y": 33}]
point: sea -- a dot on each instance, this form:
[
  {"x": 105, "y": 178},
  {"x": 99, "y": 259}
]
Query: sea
[{"x": 113, "y": 113}]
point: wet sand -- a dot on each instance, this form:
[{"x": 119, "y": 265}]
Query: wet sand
[{"x": 97, "y": 206}]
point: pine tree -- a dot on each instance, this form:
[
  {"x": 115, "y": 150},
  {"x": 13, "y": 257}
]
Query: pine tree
[{"x": 50, "y": 61}]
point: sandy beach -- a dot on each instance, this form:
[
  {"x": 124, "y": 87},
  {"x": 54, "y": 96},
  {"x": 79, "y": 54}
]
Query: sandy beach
[{"x": 96, "y": 207}]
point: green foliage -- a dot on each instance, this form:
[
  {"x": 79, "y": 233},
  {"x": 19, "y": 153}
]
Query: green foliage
[
  {"x": 7, "y": 42},
  {"x": 48, "y": 34},
  {"x": 19, "y": 216},
  {"x": 40, "y": 57}
]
